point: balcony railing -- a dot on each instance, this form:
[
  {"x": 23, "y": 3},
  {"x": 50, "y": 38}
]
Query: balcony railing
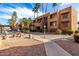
[
  {"x": 37, "y": 24},
  {"x": 53, "y": 27},
  {"x": 53, "y": 19},
  {"x": 65, "y": 19}
]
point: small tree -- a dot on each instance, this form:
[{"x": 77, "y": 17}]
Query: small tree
[
  {"x": 29, "y": 22},
  {"x": 26, "y": 22},
  {"x": 10, "y": 23}
]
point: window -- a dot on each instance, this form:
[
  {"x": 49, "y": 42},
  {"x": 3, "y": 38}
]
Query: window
[
  {"x": 65, "y": 15},
  {"x": 46, "y": 18},
  {"x": 65, "y": 24},
  {"x": 52, "y": 23},
  {"x": 39, "y": 20},
  {"x": 34, "y": 21},
  {"x": 51, "y": 16}
]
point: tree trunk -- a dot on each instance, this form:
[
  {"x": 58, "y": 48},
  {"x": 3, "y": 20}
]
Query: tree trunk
[
  {"x": 1, "y": 29},
  {"x": 28, "y": 29},
  {"x": 46, "y": 8},
  {"x": 34, "y": 15},
  {"x": 42, "y": 8},
  {"x": 37, "y": 13}
]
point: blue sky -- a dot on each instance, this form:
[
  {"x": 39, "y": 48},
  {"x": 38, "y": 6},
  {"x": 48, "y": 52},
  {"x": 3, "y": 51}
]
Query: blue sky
[{"x": 25, "y": 10}]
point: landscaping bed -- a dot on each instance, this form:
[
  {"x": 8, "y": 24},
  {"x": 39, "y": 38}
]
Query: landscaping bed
[
  {"x": 22, "y": 47},
  {"x": 35, "y": 50}
]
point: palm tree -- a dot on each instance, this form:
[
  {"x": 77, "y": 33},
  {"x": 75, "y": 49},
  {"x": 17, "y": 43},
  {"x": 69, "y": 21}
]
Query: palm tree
[
  {"x": 29, "y": 22},
  {"x": 46, "y": 7},
  {"x": 39, "y": 5},
  {"x": 42, "y": 7},
  {"x": 23, "y": 21},
  {"x": 10, "y": 23},
  {"x": 36, "y": 8},
  {"x": 26, "y": 22},
  {"x": 54, "y": 5},
  {"x": 1, "y": 28},
  {"x": 14, "y": 16}
]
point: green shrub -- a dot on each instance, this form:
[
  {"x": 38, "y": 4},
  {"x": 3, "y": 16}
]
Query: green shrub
[
  {"x": 39, "y": 30},
  {"x": 58, "y": 31},
  {"x": 32, "y": 30},
  {"x": 69, "y": 32},
  {"x": 76, "y": 38},
  {"x": 77, "y": 31},
  {"x": 64, "y": 32}
]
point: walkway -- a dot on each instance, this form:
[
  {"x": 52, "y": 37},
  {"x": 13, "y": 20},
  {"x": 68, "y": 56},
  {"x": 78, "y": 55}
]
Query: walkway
[{"x": 52, "y": 49}]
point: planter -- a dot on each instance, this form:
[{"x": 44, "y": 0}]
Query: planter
[{"x": 76, "y": 37}]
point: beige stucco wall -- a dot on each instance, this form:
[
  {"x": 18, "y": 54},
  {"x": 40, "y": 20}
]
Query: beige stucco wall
[
  {"x": 73, "y": 20},
  {"x": 72, "y": 17}
]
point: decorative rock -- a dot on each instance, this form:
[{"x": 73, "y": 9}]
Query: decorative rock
[{"x": 30, "y": 36}]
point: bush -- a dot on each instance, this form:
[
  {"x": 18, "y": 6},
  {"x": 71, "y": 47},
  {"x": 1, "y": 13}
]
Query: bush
[
  {"x": 32, "y": 30},
  {"x": 77, "y": 31},
  {"x": 58, "y": 31},
  {"x": 76, "y": 37},
  {"x": 64, "y": 32},
  {"x": 69, "y": 32},
  {"x": 39, "y": 30}
]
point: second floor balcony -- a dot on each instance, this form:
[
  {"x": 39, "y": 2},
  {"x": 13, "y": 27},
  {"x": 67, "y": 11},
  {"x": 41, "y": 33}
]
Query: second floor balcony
[
  {"x": 65, "y": 20},
  {"x": 53, "y": 19},
  {"x": 37, "y": 24}
]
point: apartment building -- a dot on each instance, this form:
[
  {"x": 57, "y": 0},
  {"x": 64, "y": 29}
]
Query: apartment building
[
  {"x": 53, "y": 22},
  {"x": 40, "y": 22},
  {"x": 68, "y": 19},
  {"x": 65, "y": 19}
]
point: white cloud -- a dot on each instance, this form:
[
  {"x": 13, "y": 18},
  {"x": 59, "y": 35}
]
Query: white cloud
[
  {"x": 77, "y": 10},
  {"x": 77, "y": 16},
  {"x": 21, "y": 12},
  {"x": 65, "y": 3},
  {"x": 5, "y": 16}
]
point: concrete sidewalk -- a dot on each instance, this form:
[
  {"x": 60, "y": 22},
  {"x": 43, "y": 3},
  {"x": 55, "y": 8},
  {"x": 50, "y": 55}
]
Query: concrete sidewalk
[{"x": 52, "y": 49}]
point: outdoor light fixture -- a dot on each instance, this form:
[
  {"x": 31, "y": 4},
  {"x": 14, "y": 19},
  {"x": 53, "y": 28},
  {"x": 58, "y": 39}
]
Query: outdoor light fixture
[{"x": 44, "y": 30}]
